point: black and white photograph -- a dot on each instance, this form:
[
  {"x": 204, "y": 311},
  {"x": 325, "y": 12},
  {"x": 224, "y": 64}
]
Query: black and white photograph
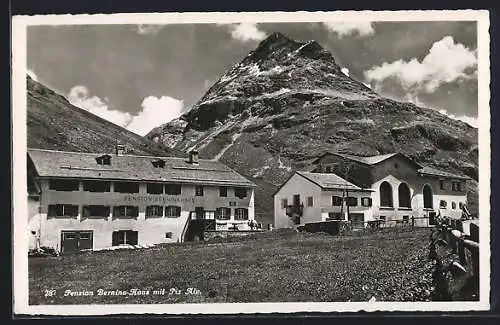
[{"x": 221, "y": 163}]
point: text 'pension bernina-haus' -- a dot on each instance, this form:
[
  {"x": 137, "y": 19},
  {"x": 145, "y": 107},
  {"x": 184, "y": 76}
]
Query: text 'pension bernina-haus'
[{"x": 90, "y": 201}]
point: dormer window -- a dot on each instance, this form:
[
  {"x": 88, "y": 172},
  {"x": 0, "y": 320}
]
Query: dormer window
[
  {"x": 158, "y": 163},
  {"x": 104, "y": 160}
]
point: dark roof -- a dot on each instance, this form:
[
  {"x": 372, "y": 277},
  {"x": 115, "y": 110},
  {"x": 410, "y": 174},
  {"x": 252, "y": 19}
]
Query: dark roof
[
  {"x": 436, "y": 172},
  {"x": 49, "y": 163},
  {"x": 329, "y": 181}
]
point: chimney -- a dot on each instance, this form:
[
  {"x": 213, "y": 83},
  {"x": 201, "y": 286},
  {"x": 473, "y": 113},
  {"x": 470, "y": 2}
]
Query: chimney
[
  {"x": 120, "y": 149},
  {"x": 193, "y": 157}
]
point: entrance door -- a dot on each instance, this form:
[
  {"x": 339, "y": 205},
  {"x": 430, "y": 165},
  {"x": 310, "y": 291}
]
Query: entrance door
[
  {"x": 72, "y": 241},
  {"x": 296, "y": 200}
]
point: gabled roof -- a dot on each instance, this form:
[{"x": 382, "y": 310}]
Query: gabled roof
[
  {"x": 329, "y": 181},
  {"x": 436, "y": 172},
  {"x": 50, "y": 163},
  {"x": 369, "y": 160}
]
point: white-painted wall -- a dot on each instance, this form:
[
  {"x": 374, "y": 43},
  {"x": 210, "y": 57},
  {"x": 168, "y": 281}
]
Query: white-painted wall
[
  {"x": 151, "y": 230},
  {"x": 417, "y": 201},
  {"x": 322, "y": 202},
  {"x": 297, "y": 185}
]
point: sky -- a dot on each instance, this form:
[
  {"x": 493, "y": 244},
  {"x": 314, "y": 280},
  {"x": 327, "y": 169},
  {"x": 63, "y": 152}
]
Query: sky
[{"x": 141, "y": 76}]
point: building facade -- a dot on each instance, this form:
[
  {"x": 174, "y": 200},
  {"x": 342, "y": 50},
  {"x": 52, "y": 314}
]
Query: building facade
[
  {"x": 402, "y": 189},
  {"x": 391, "y": 188},
  {"x": 91, "y": 201},
  {"x": 314, "y": 197}
]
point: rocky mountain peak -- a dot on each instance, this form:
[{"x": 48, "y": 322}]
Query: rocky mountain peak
[{"x": 288, "y": 102}]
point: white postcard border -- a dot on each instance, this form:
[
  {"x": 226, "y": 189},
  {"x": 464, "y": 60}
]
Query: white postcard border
[{"x": 19, "y": 146}]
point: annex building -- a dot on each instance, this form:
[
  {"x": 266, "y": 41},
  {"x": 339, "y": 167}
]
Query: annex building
[
  {"x": 89, "y": 201},
  {"x": 391, "y": 188}
]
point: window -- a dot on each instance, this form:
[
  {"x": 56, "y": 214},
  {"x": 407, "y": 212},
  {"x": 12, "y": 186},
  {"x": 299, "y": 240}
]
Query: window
[
  {"x": 124, "y": 237},
  {"x": 310, "y": 201},
  {"x": 383, "y": 218},
  {"x": 442, "y": 204},
  {"x": 352, "y": 201},
  {"x": 453, "y": 205},
  {"x": 386, "y": 195},
  {"x": 210, "y": 215},
  {"x": 240, "y": 192},
  {"x": 63, "y": 210},
  {"x": 126, "y": 187},
  {"x": 96, "y": 186},
  {"x": 85, "y": 235},
  {"x": 427, "y": 193},
  {"x": 154, "y": 211},
  {"x": 103, "y": 160},
  {"x": 406, "y": 219},
  {"x": 96, "y": 211},
  {"x": 404, "y": 196},
  {"x": 240, "y": 214},
  {"x": 334, "y": 216},
  {"x": 168, "y": 235},
  {"x": 366, "y": 201},
  {"x": 154, "y": 188},
  {"x": 126, "y": 211},
  {"x": 336, "y": 201},
  {"x": 199, "y": 191},
  {"x": 284, "y": 203},
  {"x": 173, "y": 189},
  {"x": 456, "y": 187},
  {"x": 441, "y": 184},
  {"x": 223, "y": 191},
  {"x": 396, "y": 165},
  {"x": 460, "y": 205},
  {"x": 159, "y": 163},
  {"x": 223, "y": 213},
  {"x": 172, "y": 211},
  {"x": 63, "y": 185},
  {"x": 69, "y": 235}
]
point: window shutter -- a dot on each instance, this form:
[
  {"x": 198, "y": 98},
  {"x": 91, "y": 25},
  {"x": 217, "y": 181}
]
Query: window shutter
[
  {"x": 115, "y": 237},
  {"x": 86, "y": 212},
  {"x": 116, "y": 211},
  {"x": 132, "y": 237},
  {"x": 177, "y": 211},
  {"x": 52, "y": 212}
]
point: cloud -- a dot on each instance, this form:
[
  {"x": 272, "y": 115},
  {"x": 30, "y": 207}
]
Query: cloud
[
  {"x": 247, "y": 32},
  {"x": 472, "y": 121},
  {"x": 81, "y": 97},
  {"x": 344, "y": 28},
  {"x": 155, "y": 112},
  {"x": 445, "y": 62},
  {"x": 345, "y": 71},
  {"x": 32, "y": 75},
  {"x": 145, "y": 29}
]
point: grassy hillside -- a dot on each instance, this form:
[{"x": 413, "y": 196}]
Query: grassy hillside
[{"x": 278, "y": 266}]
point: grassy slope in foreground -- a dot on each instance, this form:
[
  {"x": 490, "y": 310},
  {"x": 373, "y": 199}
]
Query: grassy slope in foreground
[{"x": 279, "y": 266}]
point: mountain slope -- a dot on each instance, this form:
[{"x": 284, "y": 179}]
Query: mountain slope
[
  {"x": 53, "y": 123},
  {"x": 288, "y": 102}
]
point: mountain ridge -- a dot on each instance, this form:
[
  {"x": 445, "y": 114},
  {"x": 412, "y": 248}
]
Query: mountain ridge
[
  {"x": 288, "y": 102},
  {"x": 54, "y": 123}
]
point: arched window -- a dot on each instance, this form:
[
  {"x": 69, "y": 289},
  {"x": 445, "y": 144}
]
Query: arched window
[
  {"x": 404, "y": 196},
  {"x": 427, "y": 192},
  {"x": 386, "y": 195}
]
